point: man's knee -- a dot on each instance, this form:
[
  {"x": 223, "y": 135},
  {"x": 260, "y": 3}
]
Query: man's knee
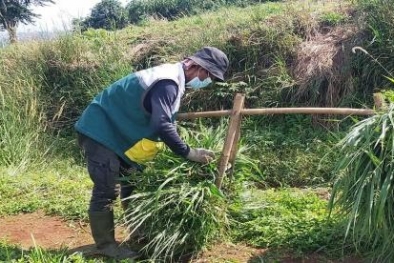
[{"x": 104, "y": 200}]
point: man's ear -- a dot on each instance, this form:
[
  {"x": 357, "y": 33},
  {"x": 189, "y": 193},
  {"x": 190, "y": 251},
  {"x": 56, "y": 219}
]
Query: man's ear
[{"x": 188, "y": 63}]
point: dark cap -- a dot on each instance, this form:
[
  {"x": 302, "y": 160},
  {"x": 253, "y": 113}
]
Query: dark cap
[{"x": 213, "y": 60}]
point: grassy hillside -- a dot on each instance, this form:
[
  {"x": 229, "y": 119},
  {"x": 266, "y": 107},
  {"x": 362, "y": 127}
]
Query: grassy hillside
[{"x": 261, "y": 42}]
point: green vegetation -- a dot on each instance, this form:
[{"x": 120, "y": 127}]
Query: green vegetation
[
  {"x": 176, "y": 205},
  {"x": 363, "y": 187},
  {"x": 111, "y": 15},
  {"x": 60, "y": 189},
  {"x": 380, "y": 23},
  {"x": 46, "y": 84},
  {"x": 9, "y": 253},
  {"x": 293, "y": 219},
  {"x": 107, "y": 14},
  {"x": 140, "y": 10}
]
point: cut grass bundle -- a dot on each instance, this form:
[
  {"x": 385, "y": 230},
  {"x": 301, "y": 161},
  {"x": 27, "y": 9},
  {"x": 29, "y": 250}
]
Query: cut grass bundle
[
  {"x": 176, "y": 208},
  {"x": 178, "y": 211},
  {"x": 363, "y": 189},
  {"x": 177, "y": 219}
]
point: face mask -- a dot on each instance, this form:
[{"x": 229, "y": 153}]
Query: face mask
[{"x": 196, "y": 83}]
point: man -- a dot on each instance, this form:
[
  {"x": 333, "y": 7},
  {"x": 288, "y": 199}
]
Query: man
[{"x": 122, "y": 126}]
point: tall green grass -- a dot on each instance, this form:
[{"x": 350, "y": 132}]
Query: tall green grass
[
  {"x": 61, "y": 76},
  {"x": 363, "y": 187},
  {"x": 67, "y": 72},
  {"x": 22, "y": 120},
  {"x": 377, "y": 17},
  {"x": 45, "y": 85}
]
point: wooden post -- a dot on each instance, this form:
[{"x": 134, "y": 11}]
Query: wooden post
[
  {"x": 234, "y": 150},
  {"x": 232, "y": 137}
]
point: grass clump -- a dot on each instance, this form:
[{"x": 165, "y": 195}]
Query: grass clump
[
  {"x": 363, "y": 188},
  {"x": 176, "y": 205},
  {"x": 178, "y": 218},
  {"x": 22, "y": 124}
]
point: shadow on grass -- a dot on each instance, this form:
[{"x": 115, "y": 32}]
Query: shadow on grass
[{"x": 10, "y": 252}]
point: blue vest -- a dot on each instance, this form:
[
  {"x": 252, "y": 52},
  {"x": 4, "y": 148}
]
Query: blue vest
[{"x": 116, "y": 117}]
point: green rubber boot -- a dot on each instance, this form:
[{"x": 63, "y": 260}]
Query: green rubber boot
[{"x": 103, "y": 232}]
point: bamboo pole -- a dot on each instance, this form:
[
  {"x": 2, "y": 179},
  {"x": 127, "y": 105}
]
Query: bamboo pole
[
  {"x": 231, "y": 137},
  {"x": 268, "y": 111},
  {"x": 233, "y": 133}
]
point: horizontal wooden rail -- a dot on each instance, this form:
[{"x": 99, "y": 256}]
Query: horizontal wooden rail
[{"x": 267, "y": 111}]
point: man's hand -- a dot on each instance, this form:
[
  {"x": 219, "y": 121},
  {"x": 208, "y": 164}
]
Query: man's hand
[{"x": 200, "y": 155}]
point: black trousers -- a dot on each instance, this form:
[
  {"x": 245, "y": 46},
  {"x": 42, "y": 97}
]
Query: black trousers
[{"x": 105, "y": 168}]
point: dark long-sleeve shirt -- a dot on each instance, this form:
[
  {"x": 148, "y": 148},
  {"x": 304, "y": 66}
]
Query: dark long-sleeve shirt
[{"x": 158, "y": 102}]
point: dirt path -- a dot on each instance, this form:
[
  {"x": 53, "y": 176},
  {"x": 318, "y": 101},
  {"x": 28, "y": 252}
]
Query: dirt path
[
  {"x": 28, "y": 230},
  {"x": 49, "y": 232}
]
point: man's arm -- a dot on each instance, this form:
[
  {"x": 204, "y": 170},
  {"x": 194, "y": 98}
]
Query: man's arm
[{"x": 159, "y": 102}]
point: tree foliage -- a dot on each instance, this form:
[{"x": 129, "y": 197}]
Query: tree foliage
[
  {"x": 13, "y": 12},
  {"x": 138, "y": 10},
  {"x": 171, "y": 9},
  {"x": 107, "y": 14}
]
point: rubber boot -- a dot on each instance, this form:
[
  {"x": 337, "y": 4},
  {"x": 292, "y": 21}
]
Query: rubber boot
[{"x": 103, "y": 232}]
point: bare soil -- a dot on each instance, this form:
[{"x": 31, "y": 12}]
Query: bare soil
[
  {"x": 52, "y": 232},
  {"x": 28, "y": 230}
]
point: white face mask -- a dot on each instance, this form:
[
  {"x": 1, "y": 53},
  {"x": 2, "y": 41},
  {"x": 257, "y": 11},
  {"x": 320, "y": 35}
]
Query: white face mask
[{"x": 196, "y": 83}]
